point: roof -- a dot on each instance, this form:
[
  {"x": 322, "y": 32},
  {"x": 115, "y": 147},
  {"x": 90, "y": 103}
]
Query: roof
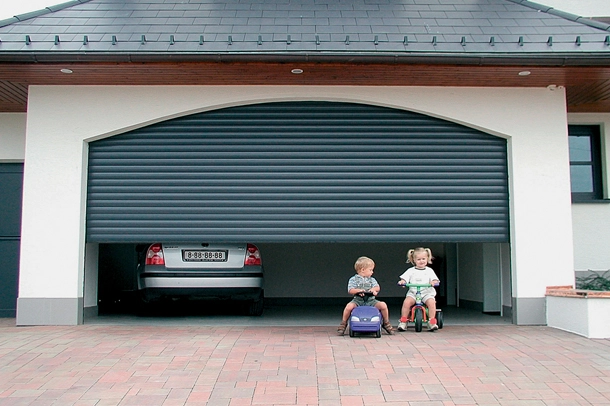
[
  {"x": 154, "y": 29},
  {"x": 476, "y": 43}
]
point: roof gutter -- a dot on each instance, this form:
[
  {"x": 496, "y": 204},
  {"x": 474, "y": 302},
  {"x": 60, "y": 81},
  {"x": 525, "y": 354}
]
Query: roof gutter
[{"x": 428, "y": 58}]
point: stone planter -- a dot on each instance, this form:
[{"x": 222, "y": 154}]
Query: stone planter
[{"x": 584, "y": 312}]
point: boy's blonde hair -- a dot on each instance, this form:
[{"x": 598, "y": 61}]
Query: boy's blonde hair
[
  {"x": 363, "y": 262},
  {"x": 411, "y": 254}
]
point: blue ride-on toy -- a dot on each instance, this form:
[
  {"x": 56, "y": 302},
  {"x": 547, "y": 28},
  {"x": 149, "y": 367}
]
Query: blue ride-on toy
[{"x": 365, "y": 320}]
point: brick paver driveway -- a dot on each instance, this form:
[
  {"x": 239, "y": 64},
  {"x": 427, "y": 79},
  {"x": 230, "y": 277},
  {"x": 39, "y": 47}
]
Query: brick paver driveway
[{"x": 230, "y": 365}]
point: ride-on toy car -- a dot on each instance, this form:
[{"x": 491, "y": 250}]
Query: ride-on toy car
[
  {"x": 365, "y": 320},
  {"x": 419, "y": 311}
]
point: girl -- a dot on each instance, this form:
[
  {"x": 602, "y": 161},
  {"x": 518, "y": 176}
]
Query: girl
[{"x": 420, "y": 274}]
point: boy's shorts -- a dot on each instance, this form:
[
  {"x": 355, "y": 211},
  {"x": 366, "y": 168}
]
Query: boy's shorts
[{"x": 364, "y": 301}]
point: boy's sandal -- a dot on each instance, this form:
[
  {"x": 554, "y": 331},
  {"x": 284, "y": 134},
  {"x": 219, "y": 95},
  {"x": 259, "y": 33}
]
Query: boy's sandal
[
  {"x": 341, "y": 328},
  {"x": 388, "y": 328}
]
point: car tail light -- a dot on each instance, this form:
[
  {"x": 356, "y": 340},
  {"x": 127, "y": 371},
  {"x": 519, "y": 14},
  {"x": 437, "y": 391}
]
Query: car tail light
[
  {"x": 154, "y": 255},
  {"x": 253, "y": 255}
]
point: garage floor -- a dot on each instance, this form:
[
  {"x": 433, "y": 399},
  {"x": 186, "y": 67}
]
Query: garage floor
[{"x": 280, "y": 316}]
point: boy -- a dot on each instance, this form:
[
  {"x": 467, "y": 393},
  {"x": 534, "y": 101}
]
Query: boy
[{"x": 358, "y": 286}]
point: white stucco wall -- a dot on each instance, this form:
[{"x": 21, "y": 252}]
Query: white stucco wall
[
  {"x": 62, "y": 119},
  {"x": 12, "y": 137},
  {"x": 591, "y": 235},
  {"x": 589, "y": 317}
]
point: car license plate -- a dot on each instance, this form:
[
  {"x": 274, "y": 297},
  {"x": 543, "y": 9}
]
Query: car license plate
[{"x": 204, "y": 256}]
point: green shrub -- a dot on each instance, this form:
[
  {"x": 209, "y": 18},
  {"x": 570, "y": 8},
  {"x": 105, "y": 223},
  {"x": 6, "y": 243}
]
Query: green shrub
[{"x": 594, "y": 281}]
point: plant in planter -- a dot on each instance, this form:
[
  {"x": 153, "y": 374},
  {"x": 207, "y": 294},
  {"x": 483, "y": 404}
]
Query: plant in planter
[{"x": 594, "y": 281}]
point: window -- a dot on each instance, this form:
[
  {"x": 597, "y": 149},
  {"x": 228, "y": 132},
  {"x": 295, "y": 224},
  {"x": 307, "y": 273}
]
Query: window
[{"x": 585, "y": 163}]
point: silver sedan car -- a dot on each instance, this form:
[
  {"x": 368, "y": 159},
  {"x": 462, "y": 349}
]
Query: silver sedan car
[{"x": 202, "y": 271}]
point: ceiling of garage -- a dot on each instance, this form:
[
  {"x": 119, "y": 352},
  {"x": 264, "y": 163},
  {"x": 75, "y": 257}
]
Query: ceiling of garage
[{"x": 499, "y": 43}]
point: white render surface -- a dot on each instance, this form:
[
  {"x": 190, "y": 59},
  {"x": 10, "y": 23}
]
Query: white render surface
[
  {"x": 63, "y": 119},
  {"x": 591, "y": 237},
  {"x": 12, "y": 137},
  {"x": 589, "y": 317}
]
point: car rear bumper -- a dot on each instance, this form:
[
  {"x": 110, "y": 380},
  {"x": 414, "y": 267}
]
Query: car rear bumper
[
  {"x": 208, "y": 282},
  {"x": 199, "y": 293}
]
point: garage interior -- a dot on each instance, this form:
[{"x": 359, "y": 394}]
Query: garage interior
[{"x": 305, "y": 284}]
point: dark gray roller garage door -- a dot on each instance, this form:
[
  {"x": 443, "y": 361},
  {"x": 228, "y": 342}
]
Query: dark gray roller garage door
[{"x": 299, "y": 172}]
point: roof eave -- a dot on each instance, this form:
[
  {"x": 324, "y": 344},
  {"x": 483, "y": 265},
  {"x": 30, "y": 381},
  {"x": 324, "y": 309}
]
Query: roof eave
[{"x": 555, "y": 59}]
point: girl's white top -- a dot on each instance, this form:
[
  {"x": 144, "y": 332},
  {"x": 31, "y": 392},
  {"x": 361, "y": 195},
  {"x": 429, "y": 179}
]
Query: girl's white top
[{"x": 420, "y": 277}]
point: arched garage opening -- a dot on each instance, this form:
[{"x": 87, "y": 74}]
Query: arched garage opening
[{"x": 319, "y": 181}]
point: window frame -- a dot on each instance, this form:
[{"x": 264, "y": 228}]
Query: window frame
[{"x": 593, "y": 132}]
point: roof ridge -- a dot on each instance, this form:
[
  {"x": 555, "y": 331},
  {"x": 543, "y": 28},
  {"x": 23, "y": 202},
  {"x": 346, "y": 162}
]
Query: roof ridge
[
  {"x": 563, "y": 14},
  {"x": 37, "y": 13}
]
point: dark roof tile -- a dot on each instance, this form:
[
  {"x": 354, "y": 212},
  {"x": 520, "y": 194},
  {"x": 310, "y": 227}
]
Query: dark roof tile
[
  {"x": 468, "y": 31},
  {"x": 497, "y": 31},
  {"x": 182, "y": 29},
  {"x": 23, "y": 29},
  {"x": 283, "y": 29},
  {"x": 574, "y": 30},
  {"x": 173, "y": 13}
]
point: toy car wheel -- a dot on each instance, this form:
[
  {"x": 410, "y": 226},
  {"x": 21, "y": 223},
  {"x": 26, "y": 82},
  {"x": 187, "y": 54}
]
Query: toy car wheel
[
  {"x": 351, "y": 333},
  {"x": 378, "y": 333},
  {"x": 439, "y": 318},
  {"x": 419, "y": 316}
]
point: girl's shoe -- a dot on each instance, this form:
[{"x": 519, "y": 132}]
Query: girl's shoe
[
  {"x": 432, "y": 325},
  {"x": 402, "y": 326}
]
